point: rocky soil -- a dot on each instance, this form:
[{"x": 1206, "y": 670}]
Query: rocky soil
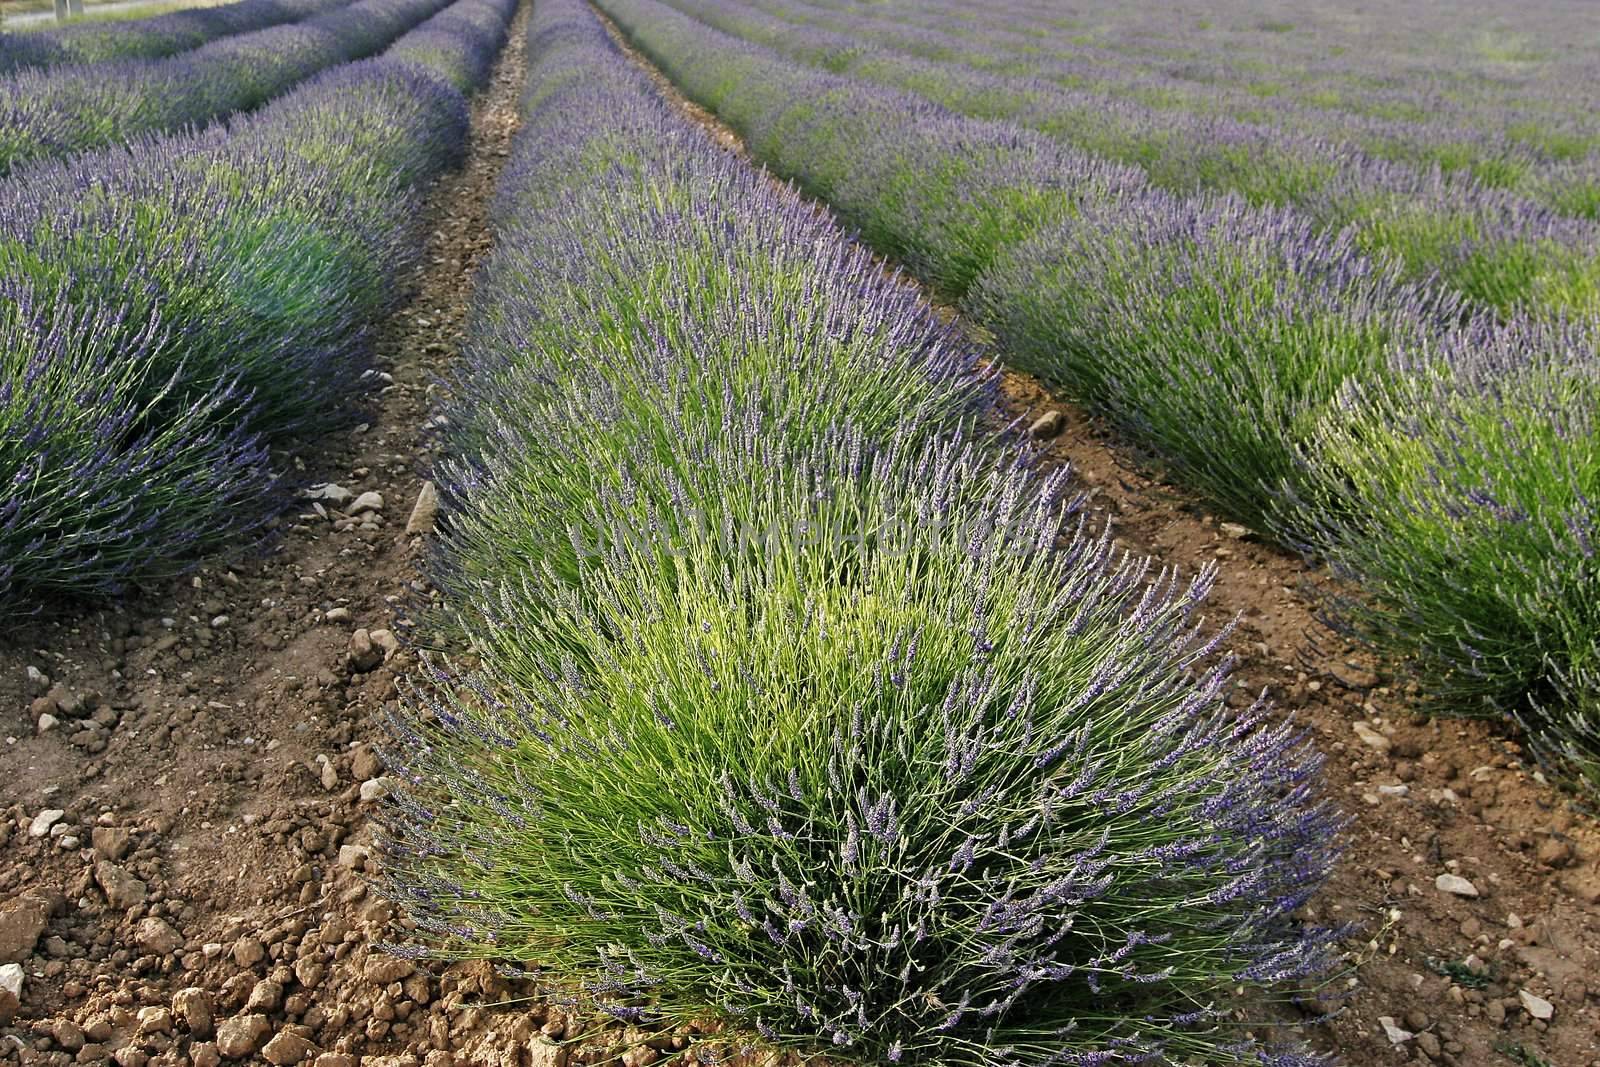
[{"x": 184, "y": 841}]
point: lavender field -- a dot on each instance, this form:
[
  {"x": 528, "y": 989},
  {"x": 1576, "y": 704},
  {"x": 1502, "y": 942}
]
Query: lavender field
[{"x": 769, "y": 684}]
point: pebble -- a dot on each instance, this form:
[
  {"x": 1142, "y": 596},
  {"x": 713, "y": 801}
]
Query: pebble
[
  {"x": 337, "y": 495},
  {"x": 337, "y": 615},
  {"x": 122, "y": 889},
  {"x": 286, "y": 1048},
  {"x": 1455, "y": 884},
  {"x": 48, "y": 722},
  {"x": 1397, "y": 1035},
  {"x": 44, "y": 820},
  {"x": 1234, "y": 530},
  {"x": 374, "y": 789},
  {"x": 154, "y": 1020},
  {"x": 353, "y": 856},
  {"x": 39, "y": 680},
  {"x": 1048, "y": 425},
  {"x": 157, "y": 935},
  {"x": 425, "y": 512},
  {"x": 371, "y": 500},
  {"x": 1538, "y": 1007},
  {"x": 386, "y": 640},
  {"x": 364, "y": 655},
  {"x": 1372, "y": 738},
  {"x": 242, "y": 1035},
  {"x": 194, "y": 1005}
]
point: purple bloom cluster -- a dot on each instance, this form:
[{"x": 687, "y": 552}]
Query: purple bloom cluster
[
  {"x": 176, "y": 306},
  {"x": 150, "y": 38},
  {"x": 978, "y": 800}
]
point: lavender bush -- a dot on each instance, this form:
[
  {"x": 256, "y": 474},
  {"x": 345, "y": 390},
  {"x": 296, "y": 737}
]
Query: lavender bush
[
  {"x": 1465, "y": 499},
  {"x": 150, "y": 38},
  {"x": 209, "y": 301},
  {"x": 800, "y": 706}
]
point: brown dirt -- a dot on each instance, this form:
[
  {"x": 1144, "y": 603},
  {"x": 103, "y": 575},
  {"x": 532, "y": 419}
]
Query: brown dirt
[
  {"x": 1425, "y": 797},
  {"x": 186, "y": 757},
  {"x": 212, "y": 746}
]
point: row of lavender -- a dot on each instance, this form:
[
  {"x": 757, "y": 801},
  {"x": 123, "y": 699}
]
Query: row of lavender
[
  {"x": 175, "y": 309},
  {"x": 1522, "y": 125},
  {"x": 55, "y": 113},
  {"x": 797, "y": 702},
  {"x": 150, "y": 38},
  {"x": 1499, "y": 247},
  {"x": 1447, "y": 460}
]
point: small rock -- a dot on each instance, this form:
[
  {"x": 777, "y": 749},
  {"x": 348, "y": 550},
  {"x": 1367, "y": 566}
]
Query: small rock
[
  {"x": 204, "y": 1054},
  {"x": 1538, "y": 1007},
  {"x": 1429, "y": 1045},
  {"x": 157, "y": 936},
  {"x": 364, "y": 655},
  {"x": 154, "y": 1020},
  {"x": 335, "y": 1059},
  {"x": 365, "y": 763},
  {"x": 371, "y": 500},
  {"x": 122, "y": 889},
  {"x": 220, "y": 621},
  {"x": 381, "y": 969},
  {"x": 1372, "y": 738},
  {"x": 42, "y": 822},
  {"x": 38, "y": 681},
  {"x": 47, "y": 722},
  {"x": 1456, "y": 885},
  {"x": 425, "y": 512},
  {"x": 247, "y": 952},
  {"x": 11, "y": 978},
  {"x": 242, "y": 1035},
  {"x": 21, "y": 925},
  {"x": 353, "y": 856},
  {"x": 386, "y": 640},
  {"x": 374, "y": 789},
  {"x": 1396, "y": 1035},
  {"x": 194, "y": 1006},
  {"x": 1234, "y": 530},
  {"x": 111, "y": 842},
  {"x": 340, "y": 614},
  {"x": 287, "y": 1048},
  {"x": 1048, "y": 425},
  {"x": 337, "y": 495},
  {"x": 330, "y": 776},
  {"x": 266, "y": 996}
]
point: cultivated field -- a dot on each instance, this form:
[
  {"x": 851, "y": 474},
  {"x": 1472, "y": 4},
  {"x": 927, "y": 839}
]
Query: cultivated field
[{"x": 763, "y": 532}]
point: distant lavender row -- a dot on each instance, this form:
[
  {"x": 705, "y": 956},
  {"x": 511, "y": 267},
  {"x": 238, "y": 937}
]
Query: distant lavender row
[
  {"x": 149, "y": 38},
  {"x": 54, "y": 113},
  {"x": 209, "y": 303},
  {"x": 1444, "y": 101},
  {"x": 928, "y": 774},
  {"x": 1500, "y": 248},
  {"x": 1236, "y": 343}
]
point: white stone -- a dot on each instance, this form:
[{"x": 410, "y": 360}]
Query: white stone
[
  {"x": 374, "y": 789},
  {"x": 43, "y": 821},
  {"x": 337, "y": 495},
  {"x": 1454, "y": 883},
  {"x": 1396, "y": 1034},
  {"x": 1372, "y": 738},
  {"x": 353, "y": 855},
  {"x": 48, "y": 722},
  {"x": 371, "y": 500},
  {"x": 11, "y": 979},
  {"x": 1538, "y": 1007}
]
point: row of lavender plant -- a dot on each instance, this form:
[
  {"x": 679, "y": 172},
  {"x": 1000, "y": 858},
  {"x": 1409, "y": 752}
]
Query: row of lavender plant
[
  {"x": 1502, "y": 249},
  {"x": 55, "y": 113},
  {"x": 1503, "y": 129},
  {"x": 796, "y": 702},
  {"x": 150, "y": 38},
  {"x": 1230, "y": 340},
  {"x": 175, "y": 309}
]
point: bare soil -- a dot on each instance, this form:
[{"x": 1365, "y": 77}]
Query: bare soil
[{"x": 203, "y": 894}]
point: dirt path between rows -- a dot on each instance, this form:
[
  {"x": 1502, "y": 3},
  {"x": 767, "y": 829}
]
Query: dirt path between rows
[
  {"x": 189, "y": 776},
  {"x": 1428, "y": 799}
]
